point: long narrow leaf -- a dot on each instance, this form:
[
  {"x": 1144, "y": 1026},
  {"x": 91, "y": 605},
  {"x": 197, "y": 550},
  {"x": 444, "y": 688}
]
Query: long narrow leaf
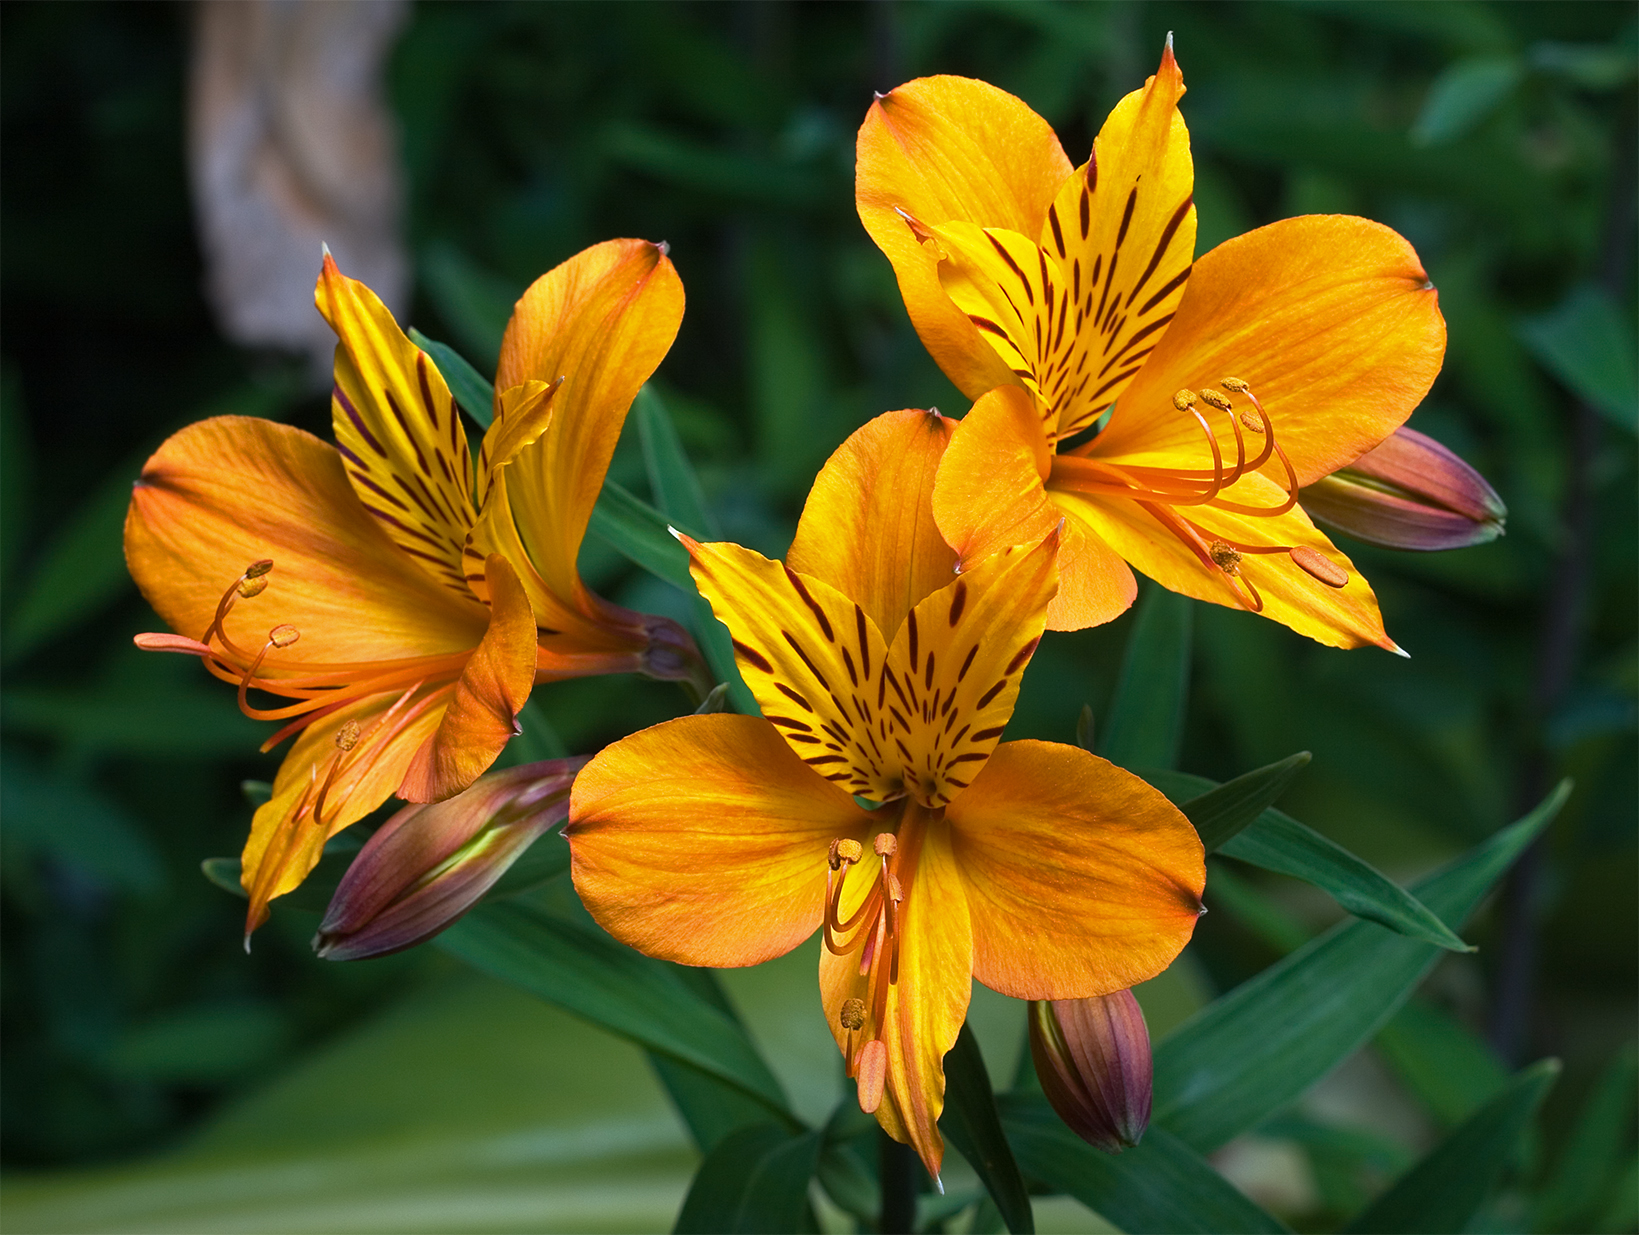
[
  {"x": 1220, "y": 814},
  {"x": 1146, "y": 721},
  {"x": 676, "y": 487},
  {"x": 1161, "y": 1185},
  {"x": 1277, "y": 842},
  {"x": 1446, "y": 1189},
  {"x": 971, "y": 1122},
  {"x": 471, "y": 391},
  {"x": 1249, "y": 1053},
  {"x": 593, "y": 976},
  {"x": 639, "y": 531},
  {"x": 756, "y": 1179}
]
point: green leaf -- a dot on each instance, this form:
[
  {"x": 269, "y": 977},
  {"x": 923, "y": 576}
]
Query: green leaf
[
  {"x": 971, "y": 1123},
  {"x": 312, "y": 895},
  {"x": 474, "y": 303},
  {"x": 1587, "y": 343},
  {"x": 471, "y": 391},
  {"x": 1446, "y": 1067},
  {"x": 1277, "y": 842},
  {"x": 711, "y": 1108},
  {"x": 1160, "y": 1185},
  {"x": 755, "y": 1180},
  {"x": 671, "y": 476},
  {"x": 1220, "y": 814},
  {"x": 1146, "y": 723},
  {"x": 80, "y": 570},
  {"x": 577, "y": 967},
  {"x": 1588, "y": 1165},
  {"x": 1084, "y": 727},
  {"x": 1250, "y": 1052},
  {"x": 1464, "y": 95},
  {"x": 57, "y": 812},
  {"x": 16, "y": 471},
  {"x": 1252, "y": 909},
  {"x": 1447, "y": 1188}
]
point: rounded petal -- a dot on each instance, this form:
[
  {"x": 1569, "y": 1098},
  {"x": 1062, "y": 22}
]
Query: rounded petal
[
  {"x": 1330, "y": 319},
  {"x": 704, "y": 840},
  {"x": 948, "y": 149},
  {"x": 1081, "y": 879},
  {"x": 602, "y": 321},
  {"x": 990, "y": 494},
  {"x": 230, "y": 491},
  {"x": 1344, "y": 617},
  {"x": 925, "y": 1009},
  {"x": 867, "y": 527},
  {"x": 493, "y": 688}
]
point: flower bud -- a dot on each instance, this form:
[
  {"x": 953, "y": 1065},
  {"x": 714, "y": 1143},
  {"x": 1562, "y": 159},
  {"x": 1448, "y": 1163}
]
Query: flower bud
[
  {"x": 1408, "y": 493},
  {"x": 1093, "y": 1059},
  {"x": 430, "y": 863}
]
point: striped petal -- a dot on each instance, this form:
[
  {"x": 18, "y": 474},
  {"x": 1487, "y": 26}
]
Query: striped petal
[
  {"x": 398, "y": 429},
  {"x": 867, "y": 526},
  {"x": 944, "y": 149},
  {"x": 703, "y": 841},
  {"x": 1079, "y": 878}
]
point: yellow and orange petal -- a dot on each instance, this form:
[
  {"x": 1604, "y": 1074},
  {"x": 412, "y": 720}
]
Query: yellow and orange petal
[
  {"x": 1330, "y": 319},
  {"x": 1080, "y": 878},
  {"x": 880, "y": 478},
  {"x": 704, "y": 839}
]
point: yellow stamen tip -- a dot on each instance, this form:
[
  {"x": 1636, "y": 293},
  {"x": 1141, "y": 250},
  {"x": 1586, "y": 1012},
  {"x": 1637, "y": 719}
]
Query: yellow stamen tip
[
  {"x": 1251, "y": 420},
  {"x": 1319, "y": 566},
  {"x": 886, "y": 844},
  {"x": 257, "y": 569},
  {"x": 873, "y": 1072},
  {"x": 1213, "y": 399},
  {"x": 1225, "y": 556},
  {"x": 1184, "y": 400},
  {"x": 283, "y": 636},
  {"x": 347, "y": 736},
  {"x": 249, "y": 587},
  {"x": 845, "y": 850},
  {"x": 1235, "y": 384}
]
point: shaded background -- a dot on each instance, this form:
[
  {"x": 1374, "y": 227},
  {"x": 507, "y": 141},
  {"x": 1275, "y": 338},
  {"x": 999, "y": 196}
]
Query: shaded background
[{"x": 1498, "y": 138}]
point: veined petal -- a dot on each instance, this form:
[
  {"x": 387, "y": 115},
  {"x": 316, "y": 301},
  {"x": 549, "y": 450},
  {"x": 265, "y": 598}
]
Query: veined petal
[
  {"x": 990, "y": 494},
  {"x": 954, "y": 668},
  {"x": 813, "y": 658},
  {"x": 1340, "y": 613},
  {"x": 229, "y": 491},
  {"x": 924, "y": 1009},
  {"x": 521, "y": 417},
  {"x": 703, "y": 840},
  {"x": 602, "y": 321},
  {"x": 1330, "y": 319},
  {"x": 867, "y": 527},
  {"x": 1080, "y": 878},
  {"x": 336, "y": 772},
  {"x": 1123, "y": 233},
  {"x": 943, "y": 149},
  {"x": 398, "y": 429},
  {"x": 493, "y": 688}
]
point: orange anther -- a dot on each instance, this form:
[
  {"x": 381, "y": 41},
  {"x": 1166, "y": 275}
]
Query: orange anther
[
  {"x": 347, "y": 736},
  {"x": 1184, "y": 400},
  {"x": 1225, "y": 556},
  {"x": 1252, "y": 420},
  {"x": 872, "y": 1071},
  {"x": 844, "y": 850},
  {"x": 249, "y": 587},
  {"x": 283, "y": 636},
  {"x": 257, "y": 569},
  {"x": 1320, "y": 566},
  {"x": 886, "y": 844},
  {"x": 852, "y": 1015},
  {"x": 1235, "y": 384},
  {"x": 1213, "y": 399}
]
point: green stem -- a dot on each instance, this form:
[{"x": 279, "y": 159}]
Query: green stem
[{"x": 898, "y": 1170}]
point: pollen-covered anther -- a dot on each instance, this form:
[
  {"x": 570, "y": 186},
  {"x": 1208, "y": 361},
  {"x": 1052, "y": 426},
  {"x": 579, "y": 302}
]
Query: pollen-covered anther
[
  {"x": 872, "y": 1071},
  {"x": 852, "y": 1015},
  {"x": 252, "y": 586},
  {"x": 1213, "y": 399},
  {"x": 347, "y": 736},
  {"x": 886, "y": 844},
  {"x": 1184, "y": 400},
  {"x": 1235, "y": 384},
  {"x": 1225, "y": 557},
  {"x": 896, "y": 892},
  {"x": 283, "y": 635},
  {"x": 257, "y": 569},
  {"x": 844, "y": 850},
  {"x": 1252, "y": 420},
  {"x": 1320, "y": 566}
]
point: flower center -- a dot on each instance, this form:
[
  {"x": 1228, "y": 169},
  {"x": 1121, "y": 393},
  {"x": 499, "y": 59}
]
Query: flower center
[{"x": 1167, "y": 493}]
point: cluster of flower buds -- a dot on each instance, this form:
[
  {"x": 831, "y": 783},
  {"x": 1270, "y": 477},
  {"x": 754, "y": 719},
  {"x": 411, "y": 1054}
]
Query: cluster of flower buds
[
  {"x": 1408, "y": 493},
  {"x": 1093, "y": 1059},
  {"x": 429, "y": 864}
]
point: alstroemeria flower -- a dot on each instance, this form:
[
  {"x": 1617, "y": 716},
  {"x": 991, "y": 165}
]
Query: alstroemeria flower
[
  {"x": 1049, "y": 293},
  {"x": 723, "y": 840},
  {"x": 383, "y": 586}
]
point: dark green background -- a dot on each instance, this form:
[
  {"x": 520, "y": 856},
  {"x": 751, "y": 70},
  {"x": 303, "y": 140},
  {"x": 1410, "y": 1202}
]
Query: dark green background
[{"x": 529, "y": 132}]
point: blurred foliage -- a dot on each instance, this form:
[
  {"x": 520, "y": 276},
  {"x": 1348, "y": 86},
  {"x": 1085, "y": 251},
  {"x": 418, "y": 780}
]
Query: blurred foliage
[{"x": 1499, "y": 138}]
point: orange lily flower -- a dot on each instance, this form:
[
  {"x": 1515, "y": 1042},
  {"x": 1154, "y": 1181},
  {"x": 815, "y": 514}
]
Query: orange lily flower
[
  {"x": 723, "y": 840},
  {"x": 401, "y": 600},
  {"x": 1052, "y": 295}
]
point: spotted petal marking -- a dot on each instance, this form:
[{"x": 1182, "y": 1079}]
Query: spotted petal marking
[
  {"x": 954, "y": 668},
  {"x": 398, "y": 430},
  {"x": 814, "y": 660}
]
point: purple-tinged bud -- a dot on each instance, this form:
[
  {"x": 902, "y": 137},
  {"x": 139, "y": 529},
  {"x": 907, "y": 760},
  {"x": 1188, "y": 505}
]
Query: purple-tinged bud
[
  {"x": 1093, "y": 1059},
  {"x": 430, "y": 863},
  {"x": 1408, "y": 493}
]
